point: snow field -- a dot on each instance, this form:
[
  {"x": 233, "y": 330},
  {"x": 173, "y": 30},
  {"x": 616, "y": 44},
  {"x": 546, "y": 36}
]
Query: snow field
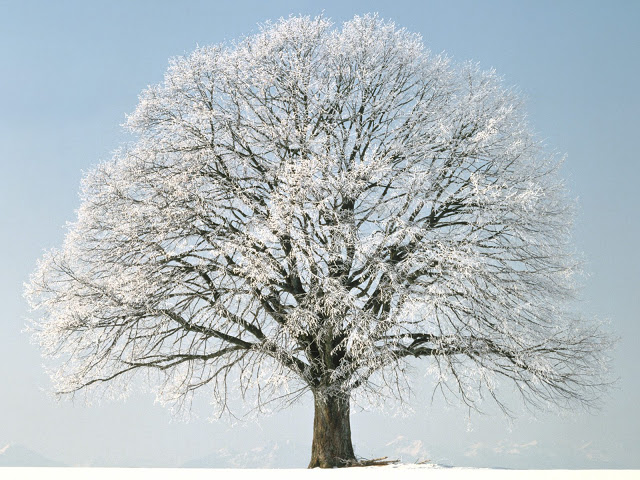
[{"x": 405, "y": 472}]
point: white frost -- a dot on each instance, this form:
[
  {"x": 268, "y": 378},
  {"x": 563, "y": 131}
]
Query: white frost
[{"x": 310, "y": 208}]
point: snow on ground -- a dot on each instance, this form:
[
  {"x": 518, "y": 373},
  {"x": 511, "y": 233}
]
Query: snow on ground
[{"x": 405, "y": 472}]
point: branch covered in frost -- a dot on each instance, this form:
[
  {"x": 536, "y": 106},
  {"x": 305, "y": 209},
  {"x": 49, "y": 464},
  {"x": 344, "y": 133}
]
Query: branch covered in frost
[{"x": 308, "y": 209}]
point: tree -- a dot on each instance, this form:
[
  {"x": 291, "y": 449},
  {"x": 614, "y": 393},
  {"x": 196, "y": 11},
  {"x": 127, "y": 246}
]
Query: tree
[{"x": 309, "y": 210}]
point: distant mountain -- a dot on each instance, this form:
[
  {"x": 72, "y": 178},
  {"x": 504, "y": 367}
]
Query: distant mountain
[
  {"x": 404, "y": 449},
  {"x": 272, "y": 455},
  {"x": 290, "y": 455},
  {"x": 18, "y": 456}
]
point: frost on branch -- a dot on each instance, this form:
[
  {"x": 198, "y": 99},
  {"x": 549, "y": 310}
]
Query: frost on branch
[{"x": 311, "y": 208}]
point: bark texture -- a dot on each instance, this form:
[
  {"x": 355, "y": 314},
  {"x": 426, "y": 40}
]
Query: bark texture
[{"x": 331, "y": 445}]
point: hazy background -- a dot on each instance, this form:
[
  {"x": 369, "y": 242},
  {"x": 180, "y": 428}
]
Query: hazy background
[{"x": 69, "y": 71}]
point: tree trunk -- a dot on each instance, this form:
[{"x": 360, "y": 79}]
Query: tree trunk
[{"x": 331, "y": 445}]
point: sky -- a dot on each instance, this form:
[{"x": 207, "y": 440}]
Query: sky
[{"x": 71, "y": 70}]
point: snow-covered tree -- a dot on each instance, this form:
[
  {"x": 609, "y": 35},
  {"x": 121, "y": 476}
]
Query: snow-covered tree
[{"x": 309, "y": 210}]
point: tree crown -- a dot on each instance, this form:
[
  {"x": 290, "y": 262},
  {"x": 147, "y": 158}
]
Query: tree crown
[{"x": 309, "y": 209}]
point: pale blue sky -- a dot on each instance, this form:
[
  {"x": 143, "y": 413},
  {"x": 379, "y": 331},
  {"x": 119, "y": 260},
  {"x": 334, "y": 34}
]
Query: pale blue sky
[{"x": 70, "y": 70}]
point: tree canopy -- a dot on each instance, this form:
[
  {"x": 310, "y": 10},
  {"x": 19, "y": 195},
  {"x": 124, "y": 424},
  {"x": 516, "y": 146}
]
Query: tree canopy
[{"x": 310, "y": 208}]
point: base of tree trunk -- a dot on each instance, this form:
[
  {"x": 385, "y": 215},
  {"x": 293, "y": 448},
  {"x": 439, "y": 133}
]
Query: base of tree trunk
[
  {"x": 331, "y": 445},
  {"x": 374, "y": 462}
]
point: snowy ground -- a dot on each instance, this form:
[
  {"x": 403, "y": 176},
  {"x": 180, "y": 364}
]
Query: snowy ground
[{"x": 406, "y": 472}]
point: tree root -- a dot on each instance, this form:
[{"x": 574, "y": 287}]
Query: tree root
[{"x": 374, "y": 462}]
